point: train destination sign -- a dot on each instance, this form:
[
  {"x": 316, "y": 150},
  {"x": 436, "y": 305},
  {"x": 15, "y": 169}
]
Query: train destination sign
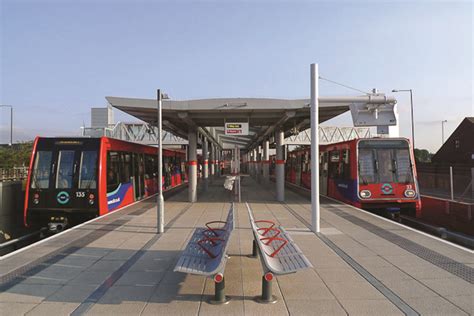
[{"x": 236, "y": 128}]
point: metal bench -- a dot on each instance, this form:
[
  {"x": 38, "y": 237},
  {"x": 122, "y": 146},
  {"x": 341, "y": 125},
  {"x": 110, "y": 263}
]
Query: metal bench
[
  {"x": 206, "y": 254},
  {"x": 279, "y": 254}
]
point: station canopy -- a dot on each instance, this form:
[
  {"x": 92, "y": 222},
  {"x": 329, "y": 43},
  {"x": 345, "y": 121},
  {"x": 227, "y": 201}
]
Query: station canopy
[{"x": 208, "y": 116}]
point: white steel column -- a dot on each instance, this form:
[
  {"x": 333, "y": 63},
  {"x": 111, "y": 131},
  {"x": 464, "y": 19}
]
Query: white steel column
[
  {"x": 315, "y": 211},
  {"x": 280, "y": 166},
  {"x": 259, "y": 163},
  {"x": 266, "y": 162},
  {"x": 160, "y": 224},
  {"x": 192, "y": 166},
  {"x": 213, "y": 160},
  {"x": 205, "y": 162}
]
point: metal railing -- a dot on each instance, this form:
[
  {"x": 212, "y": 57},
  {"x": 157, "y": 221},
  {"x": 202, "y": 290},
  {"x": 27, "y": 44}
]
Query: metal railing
[
  {"x": 445, "y": 181},
  {"x": 133, "y": 132},
  {"x": 330, "y": 135},
  {"x": 13, "y": 174}
]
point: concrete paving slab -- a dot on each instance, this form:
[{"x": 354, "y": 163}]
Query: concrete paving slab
[
  {"x": 16, "y": 308},
  {"x": 434, "y": 306},
  {"x": 49, "y": 308},
  {"x": 312, "y": 307},
  {"x": 370, "y": 307},
  {"x": 28, "y": 293},
  {"x": 354, "y": 290}
]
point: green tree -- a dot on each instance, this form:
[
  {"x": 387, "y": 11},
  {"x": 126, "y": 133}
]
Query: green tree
[
  {"x": 17, "y": 155},
  {"x": 422, "y": 155}
]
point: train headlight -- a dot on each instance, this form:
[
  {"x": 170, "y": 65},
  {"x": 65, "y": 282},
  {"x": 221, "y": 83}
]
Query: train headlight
[
  {"x": 410, "y": 193},
  {"x": 365, "y": 194},
  {"x": 91, "y": 199},
  {"x": 36, "y": 198}
]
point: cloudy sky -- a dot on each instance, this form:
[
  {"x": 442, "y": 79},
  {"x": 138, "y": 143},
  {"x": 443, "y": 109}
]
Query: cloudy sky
[{"x": 59, "y": 58}]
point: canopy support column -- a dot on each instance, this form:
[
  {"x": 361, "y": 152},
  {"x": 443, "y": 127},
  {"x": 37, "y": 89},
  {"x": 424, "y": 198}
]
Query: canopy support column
[
  {"x": 205, "y": 162},
  {"x": 192, "y": 166},
  {"x": 280, "y": 166},
  {"x": 213, "y": 160},
  {"x": 315, "y": 214},
  {"x": 266, "y": 162}
]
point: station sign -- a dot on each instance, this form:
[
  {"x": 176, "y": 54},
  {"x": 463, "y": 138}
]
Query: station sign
[{"x": 236, "y": 128}]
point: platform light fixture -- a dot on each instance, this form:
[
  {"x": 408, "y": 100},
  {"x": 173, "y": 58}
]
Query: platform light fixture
[
  {"x": 412, "y": 119},
  {"x": 11, "y": 121},
  {"x": 160, "y": 200},
  {"x": 442, "y": 131}
]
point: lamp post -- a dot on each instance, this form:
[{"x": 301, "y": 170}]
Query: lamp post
[
  {"x": 11, "y": 121},
  {"x": 442, "y": 131},
  {"x": 412, "y": 119},
  {"x": 160, "y": 200}
]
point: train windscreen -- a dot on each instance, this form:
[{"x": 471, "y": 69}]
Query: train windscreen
[
  {"x": 382, "y": 161},
  {"x": 60, "y": 167},
  {"x": 41, "y": 170}
]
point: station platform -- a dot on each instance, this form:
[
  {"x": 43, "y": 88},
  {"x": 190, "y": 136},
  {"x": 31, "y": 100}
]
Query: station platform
[{"x": 363, "y": 264}]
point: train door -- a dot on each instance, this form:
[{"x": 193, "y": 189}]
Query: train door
[
  {"x": 64, "y": 178},
  {"x": 323, "y": 173},
  {"x": 298, "y": 168},
  {"x": 139, "y": 175}
]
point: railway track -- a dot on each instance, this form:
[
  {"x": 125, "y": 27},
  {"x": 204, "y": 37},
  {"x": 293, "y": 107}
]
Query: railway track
[{"x": 23, "y": 241}]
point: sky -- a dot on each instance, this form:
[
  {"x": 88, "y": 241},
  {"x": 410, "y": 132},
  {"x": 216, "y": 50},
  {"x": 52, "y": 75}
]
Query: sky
[{"x": 60, "y": 58}]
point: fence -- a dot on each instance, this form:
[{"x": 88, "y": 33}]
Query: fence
[
  {"x": 13, "y": 174},
  {"x": 445, "y": 181}
]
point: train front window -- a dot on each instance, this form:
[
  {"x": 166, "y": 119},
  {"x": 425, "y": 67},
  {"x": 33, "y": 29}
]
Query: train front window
[
  {"x": 41, "y": 170},
  {"x": 403, "y": 166},
  {"x": 384, "y": 164},
  {"x": 65, "y": 171},
  {"x": 366, "y": 166},
  {"x": 88, "y": 175}
]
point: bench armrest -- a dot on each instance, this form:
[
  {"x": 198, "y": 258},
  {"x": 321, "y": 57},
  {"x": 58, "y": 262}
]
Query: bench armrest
[
  {"x": 213, "y": 241},
  {"x": 276, "y": 251},
  {"x": 270, "y": 238},
  {"x": 267, "y": 229},
  {"x": 214, "y": 229}
]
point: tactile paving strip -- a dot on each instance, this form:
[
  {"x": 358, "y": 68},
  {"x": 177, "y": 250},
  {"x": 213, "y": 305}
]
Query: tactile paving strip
[{"x": 457, "y": 268}]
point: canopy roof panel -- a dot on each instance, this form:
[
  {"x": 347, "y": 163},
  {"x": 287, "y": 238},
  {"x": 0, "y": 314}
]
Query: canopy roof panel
[{"x": 263, "y": 115}]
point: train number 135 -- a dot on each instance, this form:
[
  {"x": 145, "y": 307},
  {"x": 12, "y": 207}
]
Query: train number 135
[{"x": 80, "y": 194}]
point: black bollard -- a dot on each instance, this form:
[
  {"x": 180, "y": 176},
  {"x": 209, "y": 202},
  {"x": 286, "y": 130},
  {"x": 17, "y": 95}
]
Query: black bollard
[
  {"x": 219, "y": 294},
  {"x": 267, "y": 291}
]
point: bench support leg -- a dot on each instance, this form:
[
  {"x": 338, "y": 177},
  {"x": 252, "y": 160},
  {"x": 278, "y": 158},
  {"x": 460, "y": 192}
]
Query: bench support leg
[
  {"x": 219, "y": 295},
  {"x": 267, "y": 291},
  {"x": 254, "y": 250}
]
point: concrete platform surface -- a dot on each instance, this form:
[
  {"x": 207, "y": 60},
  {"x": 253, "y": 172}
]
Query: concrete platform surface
[{"x": 117, "y": 265}]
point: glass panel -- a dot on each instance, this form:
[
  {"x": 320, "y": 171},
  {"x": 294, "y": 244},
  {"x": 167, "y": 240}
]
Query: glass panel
[
  {"x": 366, "y": 166},
  {"x": 65, "y": 169},
  {"x": 88, "y": 175},
  {"x": 41, "y": 170},
  {"x": 404, "y": 172},
  {"x": 385, "y": 168}
]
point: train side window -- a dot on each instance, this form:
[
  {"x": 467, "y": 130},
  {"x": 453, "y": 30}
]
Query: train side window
[
  {"x": 150, "y": 166},
  {"x": 41, "y": 170},
  {"x": 113, "y": 161},
  {"x": 65, "y": 171},
  {"x": 88, "y": 173},
  {"x": 125, "y": 167}
]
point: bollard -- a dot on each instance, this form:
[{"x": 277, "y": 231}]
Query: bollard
[
  {"x": 267, "y": 293},
  {"x": 219, "y": 293}
]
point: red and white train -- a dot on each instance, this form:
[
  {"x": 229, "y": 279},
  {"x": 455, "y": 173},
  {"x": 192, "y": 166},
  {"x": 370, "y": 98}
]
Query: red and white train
[
  {"x": 373, "y": 174},
  {"x": 75, "y": 179}
]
